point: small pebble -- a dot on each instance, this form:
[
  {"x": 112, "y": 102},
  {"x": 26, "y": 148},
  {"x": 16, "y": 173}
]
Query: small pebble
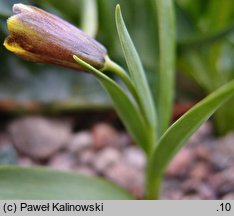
[
  {"x": 134, "y": 157},
  {"x": 180, "y": 163},
  {"x": 202, "y": 133},
  {"x": 226, "y": 145},
  {"x": 127, "y": 177},
  {"x": 200, "y": 171},
  {"x": 25, "y": 162},
  {"x": 172, "y": 195},
  {"x": 8, "y": 155},
  {"x": 85, "y": 170},
  {"x": 229, "y": 196},
  {"x": 87, "y": 157},
  {"x": 104, "y": 135},
  {"x": 223, "y": 182},
  {"x": 191, "y": 197},
  {"x": 80, "y": 141},
  {"x": 124, "y": 140},
  {"x": 206, "y": 192},
  {"x": 62, "y": 161},
  {"x": 202, "y": 153},
  {"x": 219, "y": 161},
  {"x": 106, "y": 158}
]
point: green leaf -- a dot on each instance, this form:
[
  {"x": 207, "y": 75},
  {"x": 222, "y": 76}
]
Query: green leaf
[
  {"x": 166, "y": 22},
  {"x": 41, "y": 183},
  {"x": 126, "y": 109},
  {"x": 176, "y": 136},
  {"x": 136, "y": 70}
]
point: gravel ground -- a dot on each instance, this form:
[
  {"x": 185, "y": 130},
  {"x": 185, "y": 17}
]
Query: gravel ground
[{"x": 203, "y": 169}]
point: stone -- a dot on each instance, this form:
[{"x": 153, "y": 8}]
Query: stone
[
  {"x": 192, "y": 187},
  {"x": 229, "y": 196},
  {"x": 134, "y": 157},
  {"x": 62, "y": 161},
  {"x": 124, "y": 140},
  {"x": 104, "y": 135},
  {"x": 171, "y": 189},
  {"x": 206, "y": 192},
  {"x": 191, "y": 197},
  {"x": 172, "y": 195},
  {"x": 202, "y": 153},
  {"x": 85, "y": 170},
  {"x": 87, "y": 157},
  {"x": 223, "y": 182},
  {"x": 201, "y": 134},
  {"x": 80, "y": 141},
  {"x": 106, "y": 158},
  {"x": 180, "y": 163},
  {"x": 25, "y": 162},
  {"x": 219, "y": 161},
  {"x": 37, "y": 137},
  {"x": 8, "y": 155},
  {"x": 127, "y": 177},
  {"x": 226, "y": 145},
  {"x": 200, "y": 171}
]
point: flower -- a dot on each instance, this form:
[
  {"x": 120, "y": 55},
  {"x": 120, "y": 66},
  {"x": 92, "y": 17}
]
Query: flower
[{"x": 36, "y": 35}]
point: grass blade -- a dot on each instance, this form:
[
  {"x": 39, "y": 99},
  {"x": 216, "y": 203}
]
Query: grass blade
[
  {"x": 136, "y": 70},
  {"x": 166, "y": 23},
  {"x": 126, "y": 109},
  {"x": 176, "y": 136}
]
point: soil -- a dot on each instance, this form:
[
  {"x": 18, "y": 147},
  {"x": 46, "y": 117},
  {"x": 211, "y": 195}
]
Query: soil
[{"x": 97, "y": 144}]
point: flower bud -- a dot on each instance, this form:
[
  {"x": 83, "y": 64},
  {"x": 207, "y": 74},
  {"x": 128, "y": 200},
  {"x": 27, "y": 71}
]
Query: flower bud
[{"x": 36, "y": 35}]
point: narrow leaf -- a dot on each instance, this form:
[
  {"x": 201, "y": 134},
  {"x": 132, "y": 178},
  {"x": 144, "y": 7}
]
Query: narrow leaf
[
  {"x": 136, "y": 70},
  {"x": 166, "y": 23},
  {"x": 126, "y": 109},
  {"x": 40, "y": 183},
  {"x": 176, "y": 136}
]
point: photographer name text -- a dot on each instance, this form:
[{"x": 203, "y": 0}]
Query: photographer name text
[{"x": 52, "y": 207}]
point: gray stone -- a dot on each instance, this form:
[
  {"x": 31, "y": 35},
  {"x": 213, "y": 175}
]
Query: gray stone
[
  {"x": 62, "y": 161},
  {"x": 8, "y": 155},
  {"x": 106, "y": 158},
  {"x": 127, "y": 177},
  {"x": 25, "y": 162},
  {"x": 134, "y": 157},
  {"x": 80, "y": 142},
  {"x": 178, "y": 166},
  {"x": 87, "y": 157},
  {"x": 85, "y": 170},
  {"x": 37, "y": 137}
]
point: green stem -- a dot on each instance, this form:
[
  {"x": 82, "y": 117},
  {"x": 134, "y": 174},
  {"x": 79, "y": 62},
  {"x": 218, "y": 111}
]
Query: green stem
[
  {"x": 153, "y": 185},
  {"x": 122, "y": 74}
]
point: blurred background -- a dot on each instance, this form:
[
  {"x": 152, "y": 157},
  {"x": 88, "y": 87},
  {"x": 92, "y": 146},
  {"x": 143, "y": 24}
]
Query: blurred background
[{"x": 57, "y": 117}]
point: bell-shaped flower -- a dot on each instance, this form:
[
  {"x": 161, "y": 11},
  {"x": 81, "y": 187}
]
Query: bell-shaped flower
[{"x": 36, "y": 35}]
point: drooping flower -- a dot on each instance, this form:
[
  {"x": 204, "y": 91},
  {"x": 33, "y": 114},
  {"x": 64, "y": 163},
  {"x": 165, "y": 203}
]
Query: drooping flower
[{"x": 36, "y": 35}]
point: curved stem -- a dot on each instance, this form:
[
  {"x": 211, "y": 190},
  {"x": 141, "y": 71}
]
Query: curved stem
[{"x": 120, "y": 72}]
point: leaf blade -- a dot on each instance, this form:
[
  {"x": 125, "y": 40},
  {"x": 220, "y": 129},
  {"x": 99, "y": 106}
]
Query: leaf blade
[
  {"x": 176, "y": 136},
  {"x": 167, "y": 41},
  {"x": 40, "y": 183},
  {"x": 136, "y": 70},
  {"x": 126, "y": 109}
]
